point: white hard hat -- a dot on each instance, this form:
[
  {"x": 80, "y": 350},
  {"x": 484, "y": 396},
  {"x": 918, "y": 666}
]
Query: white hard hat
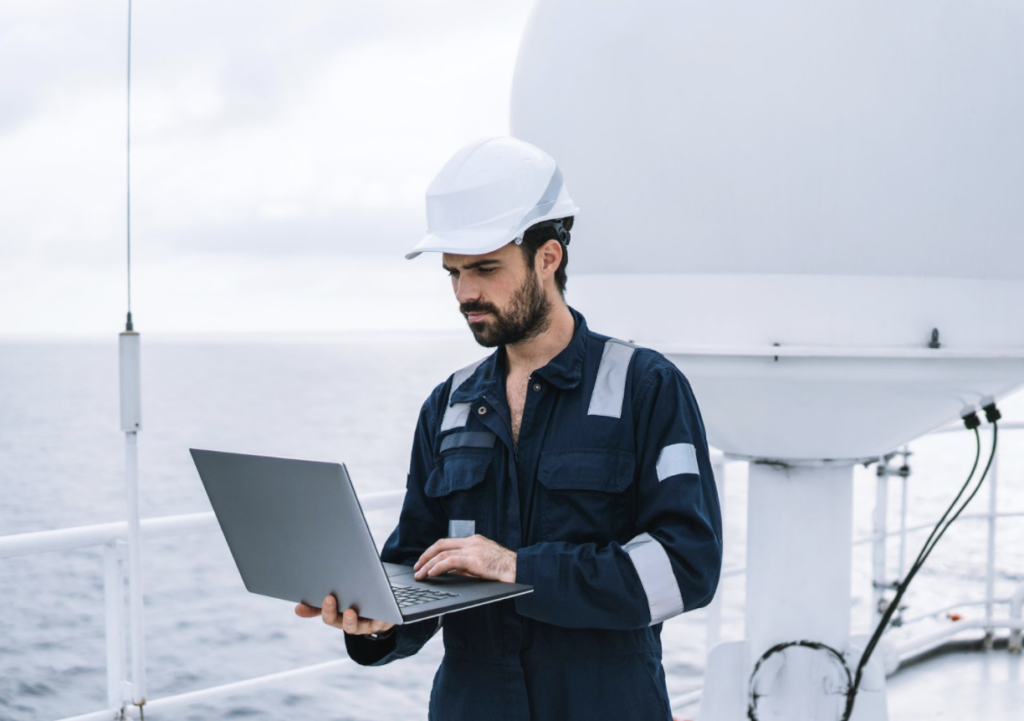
[{"x": 489, "y": 194}]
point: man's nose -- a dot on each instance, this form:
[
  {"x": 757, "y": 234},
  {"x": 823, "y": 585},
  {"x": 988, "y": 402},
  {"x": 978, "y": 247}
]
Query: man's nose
[{"x": 466, "y": 290}]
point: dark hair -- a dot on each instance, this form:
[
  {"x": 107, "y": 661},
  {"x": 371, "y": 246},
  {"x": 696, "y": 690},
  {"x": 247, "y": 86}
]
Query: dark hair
[{"x": 539, "y": 234}]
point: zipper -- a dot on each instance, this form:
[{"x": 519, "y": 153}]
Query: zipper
[{"x": 526, "y": 399}]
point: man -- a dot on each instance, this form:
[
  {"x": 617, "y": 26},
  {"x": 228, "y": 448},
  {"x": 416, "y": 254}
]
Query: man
[{"x": 565, "y": 460}]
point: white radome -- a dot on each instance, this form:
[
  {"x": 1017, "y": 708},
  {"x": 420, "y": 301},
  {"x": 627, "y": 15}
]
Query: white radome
[{"x": 836, "y": 178}]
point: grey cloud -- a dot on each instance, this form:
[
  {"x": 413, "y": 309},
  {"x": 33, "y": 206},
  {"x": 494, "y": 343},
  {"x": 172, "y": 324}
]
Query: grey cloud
[
  {"x": 63, "y": 67},
  {"x": 263, "y": 55}
]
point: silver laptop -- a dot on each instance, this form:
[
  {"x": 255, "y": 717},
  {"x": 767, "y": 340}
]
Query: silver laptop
[{"x": 297, "y": 532}]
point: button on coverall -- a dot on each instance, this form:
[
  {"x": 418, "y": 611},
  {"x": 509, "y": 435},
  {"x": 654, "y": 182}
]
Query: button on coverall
[{"x": 609, "y": 501}]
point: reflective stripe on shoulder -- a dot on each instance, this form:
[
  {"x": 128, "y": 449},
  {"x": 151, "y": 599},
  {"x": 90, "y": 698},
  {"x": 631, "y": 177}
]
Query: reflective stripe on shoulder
[
  {"x": 656, "y": 577},
  {"x": 677, "y": 459},
  {"x": 610, "y": 386},
  {"x": 455, "y": 416}
]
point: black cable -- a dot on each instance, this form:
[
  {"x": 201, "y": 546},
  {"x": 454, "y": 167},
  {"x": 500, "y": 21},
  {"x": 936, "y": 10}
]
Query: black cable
[
  {"x": 926, "y": 551},
  {"x": 977, "y": 457},
  {"x": 752, "y": 696},
  {"x": 984, "y": 474},
  {"x": 128, "y": 160},
  {"x": 922, "y": 554}
]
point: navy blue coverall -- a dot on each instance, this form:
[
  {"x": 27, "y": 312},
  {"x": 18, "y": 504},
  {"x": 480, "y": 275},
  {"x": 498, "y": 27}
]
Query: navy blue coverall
[{"x": 609, "y": 501}]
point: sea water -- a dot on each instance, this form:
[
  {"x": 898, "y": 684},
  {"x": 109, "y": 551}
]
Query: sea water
[{"x": 351, "y": 399}]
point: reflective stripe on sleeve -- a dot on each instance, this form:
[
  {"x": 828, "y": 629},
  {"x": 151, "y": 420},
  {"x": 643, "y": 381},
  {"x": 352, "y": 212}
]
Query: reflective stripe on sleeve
[
  {"x": 461, "y": 529},
  {"x": 456, "y": 415},
  {"x": 677, "y": 459},
  {"x": 655, "y": 572},
  {"x": 610, "y": 386}
]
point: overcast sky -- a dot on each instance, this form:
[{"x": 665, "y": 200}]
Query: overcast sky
[{"x": 280, "y": 152}]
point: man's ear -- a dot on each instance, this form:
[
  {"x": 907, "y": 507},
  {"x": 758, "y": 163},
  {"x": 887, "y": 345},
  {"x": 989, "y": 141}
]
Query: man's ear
[{"x": 549, "y": 257}]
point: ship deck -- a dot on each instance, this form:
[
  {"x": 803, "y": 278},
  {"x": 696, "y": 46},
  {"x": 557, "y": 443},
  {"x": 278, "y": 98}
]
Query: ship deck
[{"x": 967, "y": 684}]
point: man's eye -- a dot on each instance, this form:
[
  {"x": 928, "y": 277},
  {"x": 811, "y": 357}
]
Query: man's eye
[{"x": 487, "y": 271}]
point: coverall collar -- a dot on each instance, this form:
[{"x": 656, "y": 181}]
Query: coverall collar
[{"x": 564, "y": 371}]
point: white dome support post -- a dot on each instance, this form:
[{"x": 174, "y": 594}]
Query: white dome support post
[
  {"x": 799, "y": 556},
  {"x": 131, "y": 424}
]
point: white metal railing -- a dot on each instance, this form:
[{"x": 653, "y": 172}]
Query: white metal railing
[
  {"x": 113, "y": 539},
  {"x": 66, "y": 539},
  {"x": 948, "y": 611}
]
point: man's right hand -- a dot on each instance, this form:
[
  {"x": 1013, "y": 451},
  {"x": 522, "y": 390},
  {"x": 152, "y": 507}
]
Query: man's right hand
[{"x": 349, "y": 621}]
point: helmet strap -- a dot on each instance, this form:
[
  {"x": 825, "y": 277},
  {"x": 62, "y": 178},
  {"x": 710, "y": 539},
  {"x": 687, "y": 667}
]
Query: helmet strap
[{"x": 561, "y": 234}]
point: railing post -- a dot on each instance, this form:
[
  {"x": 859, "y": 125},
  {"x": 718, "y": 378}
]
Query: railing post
[
  {"x": 113, "y": 598},
  {"x": 879, "y": 583},
  {"x": 1016, "y": 608},
  {"x": 990, "y": 569},
  {"x": 714, "y": 616},
  {"x": 904, "y": 479}
]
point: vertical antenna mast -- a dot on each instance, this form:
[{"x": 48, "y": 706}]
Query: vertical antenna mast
[
  {"x": 128, "y": 174},
  {"x": 131, "y": 424}
]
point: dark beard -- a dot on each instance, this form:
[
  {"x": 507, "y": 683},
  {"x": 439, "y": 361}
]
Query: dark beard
[{"x": 528, "y": 315}]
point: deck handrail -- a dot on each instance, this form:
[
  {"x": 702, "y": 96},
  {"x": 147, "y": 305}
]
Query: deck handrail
[{"x": 66, "y": 539}]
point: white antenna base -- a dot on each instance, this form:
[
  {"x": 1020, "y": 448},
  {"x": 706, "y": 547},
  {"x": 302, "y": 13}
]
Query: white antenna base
[{"x": 131, "y": 382}]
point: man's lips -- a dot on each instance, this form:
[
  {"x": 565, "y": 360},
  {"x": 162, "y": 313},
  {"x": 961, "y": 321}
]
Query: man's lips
[{"x": 475, "y": 317}]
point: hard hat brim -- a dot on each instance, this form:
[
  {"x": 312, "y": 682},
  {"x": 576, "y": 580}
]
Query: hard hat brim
[{"x": 466, "y": 242}]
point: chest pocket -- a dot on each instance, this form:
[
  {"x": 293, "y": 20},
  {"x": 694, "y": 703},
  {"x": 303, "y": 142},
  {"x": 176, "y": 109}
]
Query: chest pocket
[
  {"x": 458, "y": 482},
  {"x": 587, "y": 495}
]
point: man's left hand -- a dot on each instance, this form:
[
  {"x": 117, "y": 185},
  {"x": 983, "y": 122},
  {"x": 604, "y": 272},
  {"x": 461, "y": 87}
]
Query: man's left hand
[{"x": 473, "y": 556}]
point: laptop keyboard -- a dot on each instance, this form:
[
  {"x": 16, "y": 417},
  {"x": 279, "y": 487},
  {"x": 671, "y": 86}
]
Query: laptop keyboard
[{"x": 415, "y": 595}]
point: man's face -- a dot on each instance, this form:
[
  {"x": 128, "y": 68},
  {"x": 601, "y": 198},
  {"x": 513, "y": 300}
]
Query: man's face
[{"x": 501, "y": 298}]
